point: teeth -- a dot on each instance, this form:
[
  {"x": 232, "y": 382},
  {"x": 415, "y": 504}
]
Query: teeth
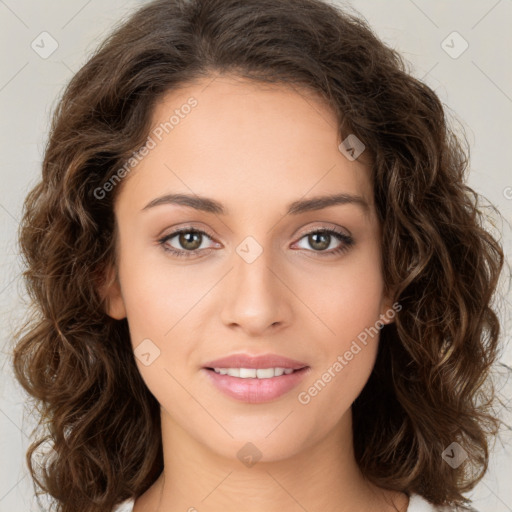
[
  {"x": 265, "y": 373},
  {"x": 253, "y": 373}
]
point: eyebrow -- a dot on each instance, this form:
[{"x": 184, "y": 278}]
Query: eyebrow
[{"x": 296, "y": 207}]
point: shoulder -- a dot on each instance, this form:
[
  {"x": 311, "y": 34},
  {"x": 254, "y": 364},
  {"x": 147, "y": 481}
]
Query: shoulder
[
  {"x": 419, "y": 504},
  {"x": 125, "y": 506}
]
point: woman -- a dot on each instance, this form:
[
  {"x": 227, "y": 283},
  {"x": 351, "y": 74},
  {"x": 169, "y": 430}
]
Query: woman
[{"x": 262, "y": 282}]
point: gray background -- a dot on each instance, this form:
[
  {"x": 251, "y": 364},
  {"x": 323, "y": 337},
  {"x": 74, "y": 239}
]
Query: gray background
[{"x": 475, "y": 85}]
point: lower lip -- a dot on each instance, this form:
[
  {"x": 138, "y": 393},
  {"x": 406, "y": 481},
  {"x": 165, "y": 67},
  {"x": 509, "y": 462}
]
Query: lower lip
[{"x": 254, "y": 390}]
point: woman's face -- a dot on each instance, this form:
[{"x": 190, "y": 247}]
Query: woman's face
[{"x": 257, "y": 282}]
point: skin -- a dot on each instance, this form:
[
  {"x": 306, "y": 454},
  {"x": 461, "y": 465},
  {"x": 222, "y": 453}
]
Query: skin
[{"x": 255, "y": 148}]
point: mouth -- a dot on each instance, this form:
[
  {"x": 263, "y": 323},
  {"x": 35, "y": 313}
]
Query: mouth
[{"x": 255, "y": 385}]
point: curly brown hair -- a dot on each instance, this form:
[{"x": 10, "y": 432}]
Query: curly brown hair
[{"x": 431, "y": 382}]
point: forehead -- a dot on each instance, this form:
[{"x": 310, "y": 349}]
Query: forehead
[{"x": 239, "y": 140}]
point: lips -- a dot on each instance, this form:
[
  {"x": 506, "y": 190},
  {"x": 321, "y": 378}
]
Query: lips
[
  {"x": 257, "y": 362},
  {"x": 256, "y": 390}
]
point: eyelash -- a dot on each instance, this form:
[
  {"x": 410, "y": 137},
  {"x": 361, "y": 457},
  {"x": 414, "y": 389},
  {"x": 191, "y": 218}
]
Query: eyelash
[{"x": 348, "y": 242}]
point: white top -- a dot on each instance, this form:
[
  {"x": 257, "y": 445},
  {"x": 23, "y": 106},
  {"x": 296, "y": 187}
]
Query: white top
[{"x": 416, "y": 504}]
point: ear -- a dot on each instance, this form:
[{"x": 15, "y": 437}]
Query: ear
[{"x": 110, "y": 292}]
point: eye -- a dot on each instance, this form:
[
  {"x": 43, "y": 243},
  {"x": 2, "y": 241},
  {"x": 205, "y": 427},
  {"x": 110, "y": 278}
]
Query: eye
[
  {"x": 322, "y": 239},
  {"x": 189, "y": 241}
]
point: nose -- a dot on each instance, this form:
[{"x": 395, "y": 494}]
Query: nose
[{"x": 256, "y": 299}]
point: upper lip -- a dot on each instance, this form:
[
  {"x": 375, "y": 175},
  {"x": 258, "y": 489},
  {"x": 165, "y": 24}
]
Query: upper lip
[{"x": 260, "y": 361}]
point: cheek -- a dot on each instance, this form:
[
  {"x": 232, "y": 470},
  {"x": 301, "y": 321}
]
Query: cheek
[
  {"x": 158, "y": 295},
  {"x": 159, "y": 307},
  {"x": 346, "y": 299},
  {"x": 348, "y": 303},
  {"x": 163, "y": 307},
  {"x": 347, "y": 356}
]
